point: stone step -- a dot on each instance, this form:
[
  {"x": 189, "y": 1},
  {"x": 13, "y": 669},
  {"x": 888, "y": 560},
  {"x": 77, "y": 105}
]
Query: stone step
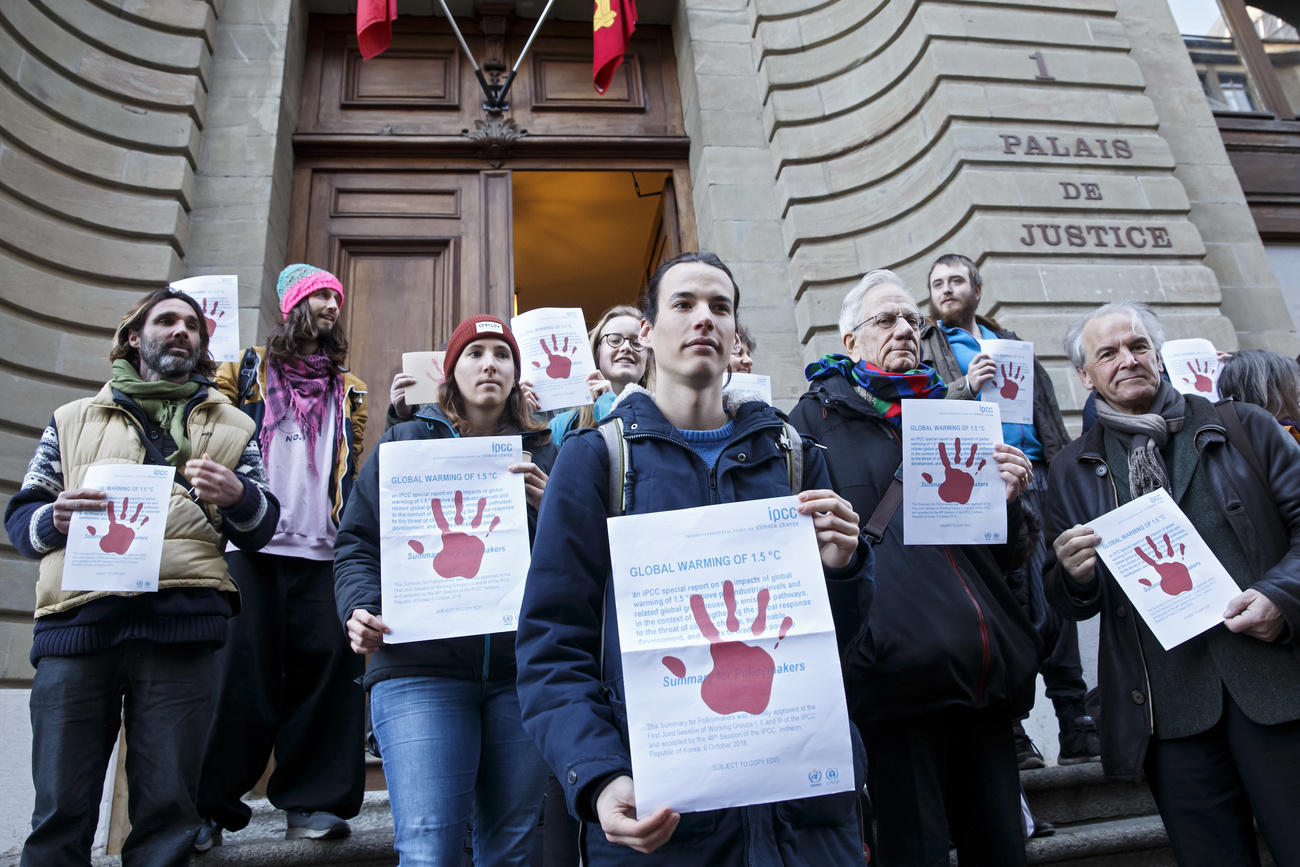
[
  {"x": 1135, "y": 841},
  {"x": 1081, "y": 793}
]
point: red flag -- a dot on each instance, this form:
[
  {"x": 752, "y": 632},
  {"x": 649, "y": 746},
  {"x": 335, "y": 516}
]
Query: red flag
[
  {"x": 375, "y": 26},
  {"x": 612, "y": 24}
]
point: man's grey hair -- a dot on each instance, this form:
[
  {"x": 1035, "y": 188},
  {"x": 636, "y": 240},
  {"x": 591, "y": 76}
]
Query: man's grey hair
[
  {"x": 851, "y": 309},
  {"x": 1140, "y": 312}
]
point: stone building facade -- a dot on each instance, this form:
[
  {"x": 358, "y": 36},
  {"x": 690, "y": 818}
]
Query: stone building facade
[{"x": 1067, "y": 146}]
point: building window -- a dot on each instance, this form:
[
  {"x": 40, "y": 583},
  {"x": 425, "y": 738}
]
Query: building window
[{"x": 1247, "y": 58}]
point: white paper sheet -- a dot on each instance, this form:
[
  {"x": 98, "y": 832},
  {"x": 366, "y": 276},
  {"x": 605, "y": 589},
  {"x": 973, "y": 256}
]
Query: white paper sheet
[
  {"x": 751, "y": 385},
  {"x": 732, "y": 678},
  {"x": 1193, "y": 366},
  {"x": 952, "y": 493},
  {"x": 120, "y": 548},
  {"x": 556, "y": 355},
  {"x": 427, "y": 368},
  {"x": 218, "y": 295},
  {"x": 1164, "y": 566},
  {"x": 1012, "y": 387},
  {"x": 453, "y": 546}
]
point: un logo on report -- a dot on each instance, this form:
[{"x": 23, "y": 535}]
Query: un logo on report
[
  {"x": 832, "y": 775},
  {"x": 814, "y": 776}
]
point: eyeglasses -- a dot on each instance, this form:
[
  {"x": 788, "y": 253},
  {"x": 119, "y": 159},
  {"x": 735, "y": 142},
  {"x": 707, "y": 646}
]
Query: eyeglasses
[
  {"x": 614, "y": 340},
  {"x": 887, "y": 321}
]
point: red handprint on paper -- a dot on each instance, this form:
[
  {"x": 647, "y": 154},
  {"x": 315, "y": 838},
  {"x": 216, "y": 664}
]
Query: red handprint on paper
[
  {"x": 1174, "y": 577},
  {"x": 462, "y": 553},
  {"x": 210, "y": 317},
  {"x": 1200, "y": 378},
  {"x": 957, "y": 484},
  {"x": 559, "y": 358},
  {"x": 1012, "y": 376},
  {"x": 120, "y": 533},
  {"x": 741, "y": 679}
]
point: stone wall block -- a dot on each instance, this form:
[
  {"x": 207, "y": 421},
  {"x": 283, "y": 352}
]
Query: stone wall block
[
  {"x": 135, "y": 40},
  {"x": 719, "y": 26},
  {"x": 15, "y": 650},
  {"x": 65, "y": 245}
]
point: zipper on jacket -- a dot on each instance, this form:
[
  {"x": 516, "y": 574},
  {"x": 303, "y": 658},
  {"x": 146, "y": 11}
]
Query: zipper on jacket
[
  {"x": 711, "y": 472},
  {"x": 984, "y": 629},
  {"x": 487, "y": 653}
]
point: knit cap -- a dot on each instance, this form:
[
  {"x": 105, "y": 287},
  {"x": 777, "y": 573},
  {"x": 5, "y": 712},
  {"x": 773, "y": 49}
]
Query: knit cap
[
  {"x": 298, "y": 281},
  {"x": 472, "y": 329}
]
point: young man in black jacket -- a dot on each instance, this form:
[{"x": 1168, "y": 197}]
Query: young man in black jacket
[{"x": 946, "y": 659}]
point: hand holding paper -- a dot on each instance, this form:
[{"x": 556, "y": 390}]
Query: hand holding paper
[
  {"x": 836, "y": 524},
  {"x": 616, "y": 808},
  {"x": 1015, "y": 469},
  {"x": 366, "y": 631},
  {"x": 67, "y": 503},
  {"x": 1076, "y": 551},
  {"x": 982, "y": 369}
]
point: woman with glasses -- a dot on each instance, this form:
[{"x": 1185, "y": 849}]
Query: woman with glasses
[{"x": 620, "y": 361}]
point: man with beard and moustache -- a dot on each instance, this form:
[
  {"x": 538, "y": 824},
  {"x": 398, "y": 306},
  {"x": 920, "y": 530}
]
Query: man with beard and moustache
[
  {"x": 288, "y": 680},
  {"x": 951, "y": 344},
  {"x": 147, "y": 658}
]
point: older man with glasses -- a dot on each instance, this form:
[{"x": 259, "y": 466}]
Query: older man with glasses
[
  {"x": 952, "y": 344},
  {"x": 946, "y": 659}
]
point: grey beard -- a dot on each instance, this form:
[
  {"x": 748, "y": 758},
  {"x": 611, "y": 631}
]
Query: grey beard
[{"x": 155, "y": 356}]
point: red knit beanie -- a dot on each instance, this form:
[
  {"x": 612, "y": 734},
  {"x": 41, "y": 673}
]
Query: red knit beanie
[{"x": 475, "y": 328}]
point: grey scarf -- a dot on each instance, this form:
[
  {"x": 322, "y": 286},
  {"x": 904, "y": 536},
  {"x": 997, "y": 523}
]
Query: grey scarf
[{"x": 1144, "y": 436}]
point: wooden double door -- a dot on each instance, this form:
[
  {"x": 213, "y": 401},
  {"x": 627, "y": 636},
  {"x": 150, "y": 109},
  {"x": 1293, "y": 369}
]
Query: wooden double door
[
  {"x": 395, "y": 196},
  {"x": 419, "y": 250}
]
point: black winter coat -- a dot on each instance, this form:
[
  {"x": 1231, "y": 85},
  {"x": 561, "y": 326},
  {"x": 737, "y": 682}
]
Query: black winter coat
[
  {"x": 944, "y": 630},
  {"x": 1082, "y": 487},
  {"x": 356, "y": 572}
]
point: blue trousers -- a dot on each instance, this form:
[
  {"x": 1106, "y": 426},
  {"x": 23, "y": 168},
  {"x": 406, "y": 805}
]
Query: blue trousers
[
  {"x": 165, "y": 693},
  {"x": 455, "y": 754}
]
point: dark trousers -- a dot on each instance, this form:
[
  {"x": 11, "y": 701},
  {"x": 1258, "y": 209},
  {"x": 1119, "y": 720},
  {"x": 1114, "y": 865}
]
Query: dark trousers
[
  {"x": 1062, "y": 668},
  {"x": 164, "y": 693},
  {"x": 1209, "y": 786},
  {"x": 946, "y": 773},
  {"x": 288, "y": 684}
]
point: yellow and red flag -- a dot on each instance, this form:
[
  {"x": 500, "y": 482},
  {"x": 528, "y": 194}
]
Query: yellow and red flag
[
  {"x": 612, "y": 24},
  {"x": 375, "y": 26}
]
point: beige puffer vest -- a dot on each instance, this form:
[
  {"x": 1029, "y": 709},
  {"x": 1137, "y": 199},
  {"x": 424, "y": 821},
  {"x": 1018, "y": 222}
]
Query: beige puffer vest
[{"x": 95, "y": 430}]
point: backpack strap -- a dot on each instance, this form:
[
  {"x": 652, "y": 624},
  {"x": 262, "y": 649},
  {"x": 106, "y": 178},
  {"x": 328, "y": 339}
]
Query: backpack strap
[
  {"x": 792, "y": 442},
  {"x": 247, "y": 375},
  {"x": 1274, "y": 530},
  {"x": 611, "y": 429},
  {"x": 885, "y": 509},
  {"x": 1240, "y": 441}
]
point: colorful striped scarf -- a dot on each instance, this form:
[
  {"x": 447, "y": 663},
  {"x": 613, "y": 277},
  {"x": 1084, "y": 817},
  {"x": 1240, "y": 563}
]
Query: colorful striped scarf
[
  {"x": 884, "y": 390},
  {"x": 308, "y": 388}
]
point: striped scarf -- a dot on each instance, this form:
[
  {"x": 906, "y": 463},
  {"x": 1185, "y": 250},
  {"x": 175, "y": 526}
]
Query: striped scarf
[{"x": 884, "y": 390}]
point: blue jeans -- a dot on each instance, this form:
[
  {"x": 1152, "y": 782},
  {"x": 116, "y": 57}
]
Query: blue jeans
[
  {"x": 455, "y": 752},
  {"x": 166, "y": 693}
]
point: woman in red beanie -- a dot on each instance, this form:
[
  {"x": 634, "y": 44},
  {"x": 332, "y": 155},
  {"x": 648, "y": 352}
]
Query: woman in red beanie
[{"x": 444, "y": 712}]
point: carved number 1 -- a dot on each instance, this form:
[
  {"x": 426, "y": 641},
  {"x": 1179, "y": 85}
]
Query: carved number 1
[{"x": 1042, "y": 75}]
